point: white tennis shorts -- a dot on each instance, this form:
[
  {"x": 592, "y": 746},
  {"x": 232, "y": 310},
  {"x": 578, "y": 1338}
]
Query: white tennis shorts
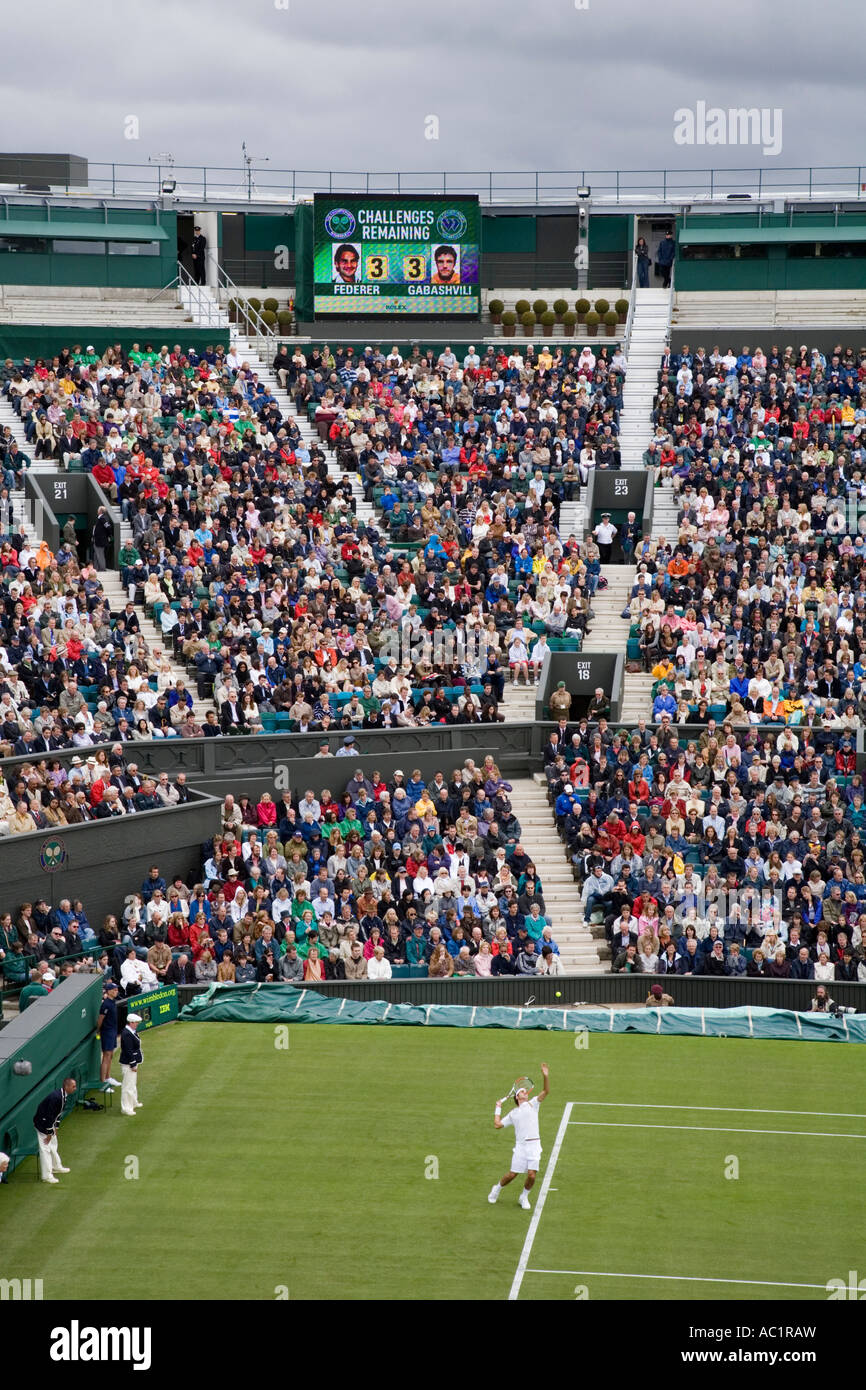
[{"x": 526, "y": 1156}]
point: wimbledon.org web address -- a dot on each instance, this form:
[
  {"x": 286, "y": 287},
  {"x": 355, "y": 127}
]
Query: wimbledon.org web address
[{"x": 769, "y": 1358}]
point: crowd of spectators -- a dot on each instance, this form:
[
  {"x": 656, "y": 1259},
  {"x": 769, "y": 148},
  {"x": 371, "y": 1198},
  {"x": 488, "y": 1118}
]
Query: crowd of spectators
[
  {"x": 756, "y": 609},
  {"x": 722, "y": 851},
  {"x": 386, "y": 874},
  {"x": 49, "y": 793},
  {"x": 247, "y": 546}
]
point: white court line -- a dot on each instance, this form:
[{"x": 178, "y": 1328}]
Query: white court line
[
  {"x": 539, "y": 1205},
  {"x": 722, "y": 1109},
  {"x": 718, "y": 1129},
  {"x": 681, "y": 1278}
]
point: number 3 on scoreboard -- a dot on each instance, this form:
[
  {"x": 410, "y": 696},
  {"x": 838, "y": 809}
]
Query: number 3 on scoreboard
[
  {"x": 414, "y": 268},
  {"x": 377, "y": 268}
]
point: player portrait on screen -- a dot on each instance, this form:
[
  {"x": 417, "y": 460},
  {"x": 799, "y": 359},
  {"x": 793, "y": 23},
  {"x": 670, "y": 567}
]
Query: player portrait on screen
[
  {"x": 347, "y": 259},
  {"x": 447, "y": 262}
]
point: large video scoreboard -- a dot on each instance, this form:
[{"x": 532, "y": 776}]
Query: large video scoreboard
[{"x": 396, "y": 255}]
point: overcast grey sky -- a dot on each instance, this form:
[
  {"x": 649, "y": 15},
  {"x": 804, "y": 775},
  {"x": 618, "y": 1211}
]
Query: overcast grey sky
[{"x": 328, "y": 84}]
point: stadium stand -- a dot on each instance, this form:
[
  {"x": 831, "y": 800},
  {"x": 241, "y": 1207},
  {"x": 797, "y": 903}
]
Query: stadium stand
[
  {"x": 415, "y": 865},
  {"x": 736, "y": 806},
  {"x": 245, "y": 545}
]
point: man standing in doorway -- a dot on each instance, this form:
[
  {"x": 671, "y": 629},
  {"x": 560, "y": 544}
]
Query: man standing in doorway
[
  {"x": 667, "y": 250},
  {"x": 46, "y": 1120},
  {"x": 130, "y": 1060},
  {"x": 605, "y": 535},
  {"x": 199, "y": 247}
]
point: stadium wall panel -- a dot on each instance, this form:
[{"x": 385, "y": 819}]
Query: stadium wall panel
[
  {"x": 101, "y": 861},
  {"x": 57, "y": 1036},
  {"x": 19, "y": 340}
]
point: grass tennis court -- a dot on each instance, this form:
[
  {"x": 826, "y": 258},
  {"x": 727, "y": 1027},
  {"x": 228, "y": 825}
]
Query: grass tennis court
[{"x": 304, "y": 1167}]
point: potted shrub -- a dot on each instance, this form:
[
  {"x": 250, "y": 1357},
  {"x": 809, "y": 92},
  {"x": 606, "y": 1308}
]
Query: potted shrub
[
  {"x": 602, "y": 306},
  {"x": 232, "y": 308},
  {"x": 593, "y": 319},
  {"x": 269, "y": 317},
  {"x": 509, "y": 323},
  {"x": 583, "y": 307},
  {"x": 272, "y": 304},
  {"x": 255, "y": 304},
  {"x": 522, "y": 307},
  {"x": 569, "y": 319},
  {"x": 496, "y": 306},
  {"x": 528, "y": 322},
  {"x": 284, "y": 319},
  {"x": 560, "y": 308},
  {"x": 548, "y": 319},
  {"x": 539, "y": 307},
  {"x": 621, "y": 307},
  {"x": 611, "y": 319}
]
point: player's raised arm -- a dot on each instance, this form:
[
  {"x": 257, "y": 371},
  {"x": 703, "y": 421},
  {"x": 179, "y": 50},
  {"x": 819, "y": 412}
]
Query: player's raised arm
[
  {"x": 545, "y": 1072},
  {"x": 497, "y": 1114}
]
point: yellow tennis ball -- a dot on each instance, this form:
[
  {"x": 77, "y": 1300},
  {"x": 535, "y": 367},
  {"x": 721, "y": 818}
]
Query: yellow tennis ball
[{"x": 558, "y": 994}]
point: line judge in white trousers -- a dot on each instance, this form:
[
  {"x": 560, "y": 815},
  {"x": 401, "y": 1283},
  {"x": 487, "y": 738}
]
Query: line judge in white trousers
[
  {"x": 130, "y": 1059},
  {"x": 46, "y": 1120}
]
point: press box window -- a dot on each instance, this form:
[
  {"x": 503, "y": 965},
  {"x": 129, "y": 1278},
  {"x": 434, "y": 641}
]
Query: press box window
[
  {"x": 23, "y": 243},
  {"x": 78, "y": 248},
  {"x": 133, "y": 248}
]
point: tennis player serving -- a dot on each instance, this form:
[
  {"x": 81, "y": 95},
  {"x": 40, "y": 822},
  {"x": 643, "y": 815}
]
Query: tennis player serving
[{"x": 523, "y": 1119}]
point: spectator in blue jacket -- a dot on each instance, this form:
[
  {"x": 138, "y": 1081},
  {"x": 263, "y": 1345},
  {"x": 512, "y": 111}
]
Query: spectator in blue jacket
[{"x": 664, "y": 703}]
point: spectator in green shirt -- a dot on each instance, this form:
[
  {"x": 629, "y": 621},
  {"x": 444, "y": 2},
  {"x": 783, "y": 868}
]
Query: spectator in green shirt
[
  {"x": 34, "y": 990},
  {"x": 416, "y": 946}
]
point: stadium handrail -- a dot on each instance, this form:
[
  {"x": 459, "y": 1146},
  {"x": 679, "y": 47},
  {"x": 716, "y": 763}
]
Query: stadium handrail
[{"x": 502, "y": 187}]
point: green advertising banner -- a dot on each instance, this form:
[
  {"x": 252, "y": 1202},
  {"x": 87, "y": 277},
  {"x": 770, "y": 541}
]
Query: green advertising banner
[
  {"x": 396, "y": 255},
  {"x": 157, "y": 1006}
]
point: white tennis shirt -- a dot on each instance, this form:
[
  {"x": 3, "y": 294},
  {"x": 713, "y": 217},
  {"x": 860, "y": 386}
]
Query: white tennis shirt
[{"x": 524, "y": 1120}]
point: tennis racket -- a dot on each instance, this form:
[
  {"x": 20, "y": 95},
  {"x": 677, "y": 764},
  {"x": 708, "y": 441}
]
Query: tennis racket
[{"x": 523, "y": 1083}]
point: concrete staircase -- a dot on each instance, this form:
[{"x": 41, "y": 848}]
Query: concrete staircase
[
  {"x": 21, "y": 515},
  {"x": 608, "y": 632},
  {"x": 637, "y": 686},
  {"x": 201, "y": 306},
  {"x": 581, "y": 952},
  {"x": 572, "y": 519},
  {"x": 247, "y": 351},
  {"x": 649, "y": 332},
  {"x": 153, "y": 635},
  {"x": 665, "y": 513},
  {"x": 9, "y": 418}
]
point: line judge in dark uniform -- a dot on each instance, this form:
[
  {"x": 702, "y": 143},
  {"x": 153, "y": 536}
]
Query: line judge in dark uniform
[
  {"x": 106, "y": 1029},
  {"x": 46, "y": 1121},
  {"x": 130, "y": 1060}
]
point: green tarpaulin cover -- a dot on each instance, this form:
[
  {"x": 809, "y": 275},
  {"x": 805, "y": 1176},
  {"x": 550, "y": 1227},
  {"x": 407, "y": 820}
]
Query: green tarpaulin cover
[{"x": 274, "y": 1003}]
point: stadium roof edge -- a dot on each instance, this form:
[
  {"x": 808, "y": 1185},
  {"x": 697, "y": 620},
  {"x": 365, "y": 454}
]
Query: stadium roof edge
[{"x": 649, "y": 203}]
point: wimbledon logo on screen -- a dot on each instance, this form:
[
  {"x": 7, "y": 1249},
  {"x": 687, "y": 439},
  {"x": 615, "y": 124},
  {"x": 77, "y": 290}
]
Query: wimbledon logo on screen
[
  {"x": 451, "y": 224},
  {"x": 340, "y": 223}
]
